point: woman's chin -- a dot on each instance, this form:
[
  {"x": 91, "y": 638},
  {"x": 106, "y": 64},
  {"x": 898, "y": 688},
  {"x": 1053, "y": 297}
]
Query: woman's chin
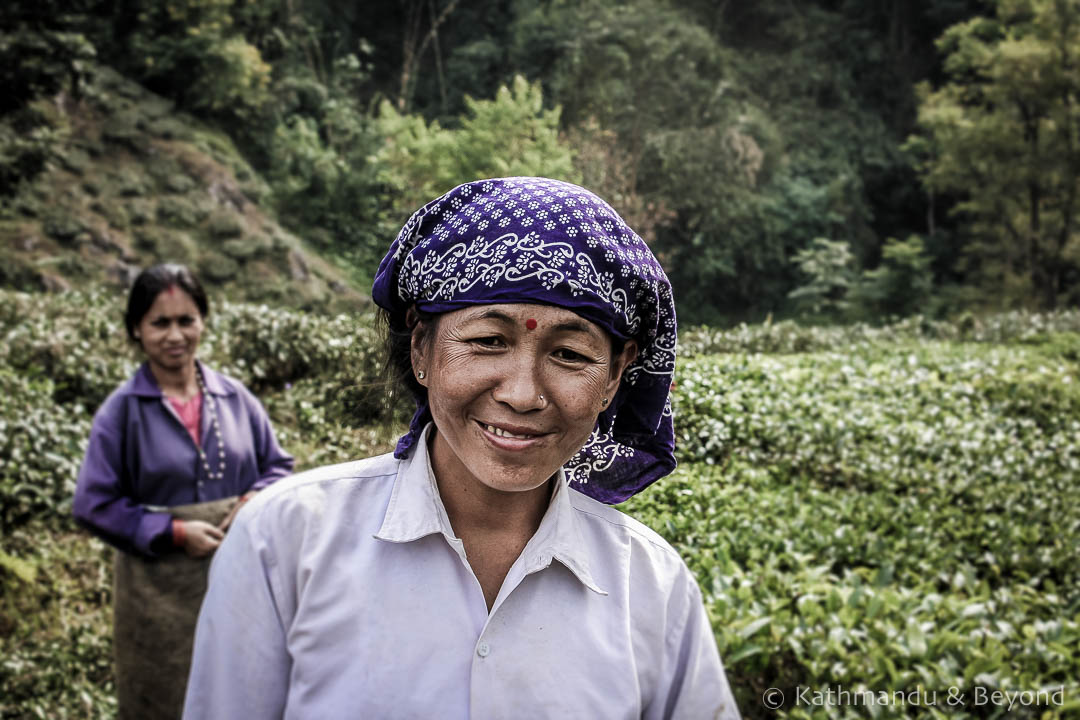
[
  {"x": 513, "y": 479},
  {"x": 173, "y": 363}
]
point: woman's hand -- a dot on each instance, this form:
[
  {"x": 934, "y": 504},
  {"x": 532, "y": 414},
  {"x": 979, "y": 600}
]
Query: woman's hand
[
  {"x": 201, "y": 538},
  {"x": 224, "y": 524}
]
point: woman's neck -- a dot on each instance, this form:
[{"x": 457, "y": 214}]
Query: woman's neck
[
  {"x": 179, "y": 382},
  {"x": 493, "y": 525},
  {"x": 473, "y": 507}
]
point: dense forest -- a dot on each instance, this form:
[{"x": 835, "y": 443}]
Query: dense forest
[{"x": 830, "y": 159}]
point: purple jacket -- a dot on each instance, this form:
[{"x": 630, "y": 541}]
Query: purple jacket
[{"x": 140, "y": 454}]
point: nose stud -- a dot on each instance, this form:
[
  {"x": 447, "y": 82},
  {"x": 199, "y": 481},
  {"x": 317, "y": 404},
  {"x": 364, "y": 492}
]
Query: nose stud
[{"x": 541, "y": 398}]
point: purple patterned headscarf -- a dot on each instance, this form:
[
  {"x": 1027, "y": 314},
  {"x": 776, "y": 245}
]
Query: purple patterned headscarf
[{"x": 534, "y": 240}]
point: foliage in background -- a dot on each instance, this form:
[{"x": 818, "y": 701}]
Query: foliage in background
[
  {"x": 318, "y": 146},
  {"x": 42, "y": 53},
  {"x": 192, "y": 52},
  {"x": 510, "y": 135},
  {"x": 731, "y": 136},
  {"x": 693, "y": 155},
  {"x": 1001, "y": 134},
  {"x": 891, "y": 516},
  {"x": 901, "y": 284},
  {"x": 1017, "y": 327},
  {"x": 828, "y": 267}
]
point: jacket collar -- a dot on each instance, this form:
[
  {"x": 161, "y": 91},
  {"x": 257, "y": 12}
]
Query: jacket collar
[
  {"x": 416, "y": 510},
  {"x": 143, "y": 383}
]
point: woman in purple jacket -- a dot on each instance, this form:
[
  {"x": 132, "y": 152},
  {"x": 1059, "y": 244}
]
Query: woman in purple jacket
[{"x": 173, "y": 454}]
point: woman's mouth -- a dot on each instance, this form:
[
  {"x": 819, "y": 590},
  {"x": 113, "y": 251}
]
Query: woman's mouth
[
  {"x": 507, "y": 434},
  {"x": 512, "y": 438}
]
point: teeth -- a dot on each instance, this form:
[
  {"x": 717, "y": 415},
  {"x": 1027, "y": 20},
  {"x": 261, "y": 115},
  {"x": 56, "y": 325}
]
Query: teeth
[{"x": 503, "y": 433}]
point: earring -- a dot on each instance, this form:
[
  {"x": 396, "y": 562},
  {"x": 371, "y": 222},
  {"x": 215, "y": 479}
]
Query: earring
[
  {"x": 604, "y": 402},
  {"x": 420, "y": 374}
]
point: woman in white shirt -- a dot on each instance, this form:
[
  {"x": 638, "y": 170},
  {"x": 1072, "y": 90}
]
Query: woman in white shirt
[{"x": 479, "y": 571}]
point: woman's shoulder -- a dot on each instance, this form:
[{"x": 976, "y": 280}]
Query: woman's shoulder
[
  {"x": 607, "y": 520},
  {"x": 329, "y": 489},
  {"x": 231, "y": 390},
  {"x": 114, "y": 407},
  {"x": 626, "y": 552},
  {"x": 222, "y": 383}
]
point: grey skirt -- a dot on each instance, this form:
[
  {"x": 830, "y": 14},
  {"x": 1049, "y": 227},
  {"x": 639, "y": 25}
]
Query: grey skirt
[{"x": 155, "y": 605}]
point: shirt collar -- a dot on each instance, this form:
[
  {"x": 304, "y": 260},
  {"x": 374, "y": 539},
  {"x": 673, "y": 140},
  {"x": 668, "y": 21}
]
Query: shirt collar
[
  {"x": 144, "y": 384},
  {"x": 416, "y": 510}
]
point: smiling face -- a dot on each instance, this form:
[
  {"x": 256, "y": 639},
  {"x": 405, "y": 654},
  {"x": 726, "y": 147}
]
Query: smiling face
[
  {"x": 486, "y": 369},
  {"x": 170, "y": 330}
]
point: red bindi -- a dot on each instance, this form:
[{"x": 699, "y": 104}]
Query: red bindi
[
  {"x": 171, "y": 289},
  {"x": 531, "y": 324}
]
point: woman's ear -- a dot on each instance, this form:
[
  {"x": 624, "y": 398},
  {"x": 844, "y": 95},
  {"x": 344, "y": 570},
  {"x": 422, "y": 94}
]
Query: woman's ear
[
  {"x": 619, "y": 363},
  {"x": 418, "y": 351}
]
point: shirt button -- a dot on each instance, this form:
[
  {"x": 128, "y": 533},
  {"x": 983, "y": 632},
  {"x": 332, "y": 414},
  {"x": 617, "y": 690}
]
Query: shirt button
[{"x": 483, "y": 649}]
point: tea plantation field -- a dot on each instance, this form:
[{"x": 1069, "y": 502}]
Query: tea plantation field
[{"x": 883, "y": 520}]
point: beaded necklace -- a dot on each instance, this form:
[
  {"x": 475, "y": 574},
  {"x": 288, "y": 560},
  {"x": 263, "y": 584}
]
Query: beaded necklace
[{"x": 210, "y": 403}]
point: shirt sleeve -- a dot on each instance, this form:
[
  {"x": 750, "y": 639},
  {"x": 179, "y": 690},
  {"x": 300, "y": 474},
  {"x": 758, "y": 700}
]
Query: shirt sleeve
[
  {"x": 101, "y": 503},
  {"x": 693, "y": 683},
  {"x": 240, "y": 665},
  {"x": 274, "y": 463}
]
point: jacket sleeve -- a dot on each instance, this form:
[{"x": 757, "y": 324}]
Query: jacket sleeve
[
  {"x": 102, "y": 504},
  {"x": 274, "y": 462},
  {"x": 692, "y": 683}
]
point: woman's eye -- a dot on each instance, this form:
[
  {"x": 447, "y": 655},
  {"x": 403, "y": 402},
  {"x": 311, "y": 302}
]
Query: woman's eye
[
  {"x": 490, "y": 341},
  {"x": 186, "y": 321},
  {"x": 567, "y": 355},
  {"x": 160, "y": 323}
]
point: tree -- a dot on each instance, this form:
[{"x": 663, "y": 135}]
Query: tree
[
  {"x": 828, "y": 266},
  {"x": 900, "y": 285},
  {"x": 510, "y": 135},
  {"x": 193, "y": 52},
  {"x": 1001, "y": 133},
  {"x": 44, "y": 52},
  {"x": 415, "y": 42}
]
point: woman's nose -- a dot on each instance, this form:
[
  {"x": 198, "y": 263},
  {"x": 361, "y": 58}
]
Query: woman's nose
[{"x": 520, "y": 386}]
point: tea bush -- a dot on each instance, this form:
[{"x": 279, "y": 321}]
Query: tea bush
[
  {"x": 809, "y": 585},
  {"x": 884, "y": 516},
  {"x": 41, "y": 443},
  {"x": 55, "y": 626},
  {"x": 790, "y": 337},
  {"x": 879, "y": 508}
]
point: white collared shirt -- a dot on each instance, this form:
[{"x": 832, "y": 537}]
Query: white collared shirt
[{"x": 343, "y": 592}]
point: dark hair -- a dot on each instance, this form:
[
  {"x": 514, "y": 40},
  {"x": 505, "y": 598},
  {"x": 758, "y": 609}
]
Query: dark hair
[
  {"x": 151, "y": 282},
  {"x": 397, "y": 345}
]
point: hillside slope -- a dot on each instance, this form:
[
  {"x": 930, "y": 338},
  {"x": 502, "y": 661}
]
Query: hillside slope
[{"x": 131, "y": 182}]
